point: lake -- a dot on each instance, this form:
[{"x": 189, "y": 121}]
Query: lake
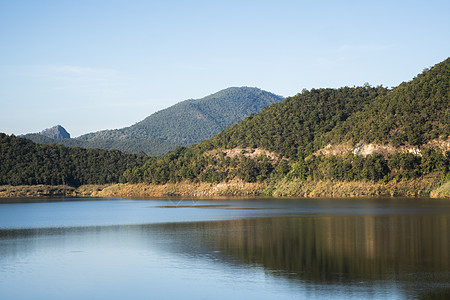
[{"x": 225, "y": 249}]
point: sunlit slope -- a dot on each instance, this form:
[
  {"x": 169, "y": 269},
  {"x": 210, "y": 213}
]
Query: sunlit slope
[{"x": 413, "y": 113}]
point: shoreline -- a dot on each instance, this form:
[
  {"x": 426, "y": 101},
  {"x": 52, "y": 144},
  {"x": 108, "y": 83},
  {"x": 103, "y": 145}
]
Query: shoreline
[{"x": 288, "y": 189}]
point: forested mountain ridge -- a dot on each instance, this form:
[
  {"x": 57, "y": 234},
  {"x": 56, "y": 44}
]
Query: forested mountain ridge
[
  {"x": 192, "y": 121},
  {"x": 185, "y": 123}
]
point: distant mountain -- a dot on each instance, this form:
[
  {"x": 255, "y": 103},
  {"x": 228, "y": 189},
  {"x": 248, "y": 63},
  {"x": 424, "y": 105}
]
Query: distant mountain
[
  {"x": 56, "y": 132},
  {"x": 193, "y": 121},
  {"x": 152, "y": 146},
  {"x": 185, "y": 123}
]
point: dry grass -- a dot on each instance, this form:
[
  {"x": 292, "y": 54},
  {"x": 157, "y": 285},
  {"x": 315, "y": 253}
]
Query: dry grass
[
  {"x": 328, "y": 188},
  {"x": 236, "y": 188},
  {"x": 441, "y": 192},
  {"x": 183, "y": 189},
  {"x": 7, "y": 191}
]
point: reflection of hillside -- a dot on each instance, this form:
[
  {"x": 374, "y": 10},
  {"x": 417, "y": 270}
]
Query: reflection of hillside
[
  {"x": 329, "y": 248},
  {"x": 409, "y": 251}
]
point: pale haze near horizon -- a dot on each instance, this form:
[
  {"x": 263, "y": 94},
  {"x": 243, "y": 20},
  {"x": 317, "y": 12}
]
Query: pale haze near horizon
[{"x": 94, "y": 65}]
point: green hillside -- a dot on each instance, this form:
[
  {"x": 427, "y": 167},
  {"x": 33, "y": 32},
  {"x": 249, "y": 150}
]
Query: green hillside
[
  {"x": 297, "y": 122},
  {"x": 193, "y": 121},
  {"x": 413, "y": 113},
  {"x": 150, "y": 145},
  {"x": 24, "y": 162},
  {"x": 185, "y": 123}
]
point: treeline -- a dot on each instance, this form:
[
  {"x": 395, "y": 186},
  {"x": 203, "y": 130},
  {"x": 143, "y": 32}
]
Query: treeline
[
  {"x": 375, "y": 167},
  {"x": 26, "y": 163},
  {"x": 193, "y": 165},
  {"x": 411, "y": 114},
  {"x": 147, "y": 145}
]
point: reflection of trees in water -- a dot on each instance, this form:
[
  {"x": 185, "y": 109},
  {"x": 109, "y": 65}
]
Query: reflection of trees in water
[
  {"x": 404, "y": 248},
  {"x": 411, "y": 250}
]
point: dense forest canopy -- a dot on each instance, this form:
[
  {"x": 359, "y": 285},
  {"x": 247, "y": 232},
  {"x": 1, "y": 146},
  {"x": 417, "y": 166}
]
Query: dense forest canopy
[
  {"x": 150, "y": 146},
  {"x": 297, "y": 123},
  {"x": 413, "y": 113},
  {"x": 24, "y": 162}
]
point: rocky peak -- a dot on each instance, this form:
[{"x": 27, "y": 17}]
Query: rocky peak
[{"x": 56, "y": 132}]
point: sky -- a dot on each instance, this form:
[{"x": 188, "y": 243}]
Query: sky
[{"x": 94, "y": 65}]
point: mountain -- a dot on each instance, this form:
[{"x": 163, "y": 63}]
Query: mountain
[
  {"x": 412, "y": 114},
  {"x": 56, "y": 132},
  {"x": 406, "y": 131},
  {"x": 192, "y": 121},
  {"x": 185, "y": 123}
]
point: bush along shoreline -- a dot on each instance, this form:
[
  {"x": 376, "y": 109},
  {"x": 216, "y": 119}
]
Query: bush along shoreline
[{"x": 426, "y": 187}]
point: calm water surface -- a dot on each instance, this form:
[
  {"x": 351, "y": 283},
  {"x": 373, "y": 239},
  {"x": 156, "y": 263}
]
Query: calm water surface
[{"x": 227, "y": 249}]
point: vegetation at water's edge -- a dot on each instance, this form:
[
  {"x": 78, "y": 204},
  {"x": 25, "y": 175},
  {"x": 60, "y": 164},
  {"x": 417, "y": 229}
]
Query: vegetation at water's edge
[
  {"x": 236, "y": 188},
  {"x": 442, "y": 191}
]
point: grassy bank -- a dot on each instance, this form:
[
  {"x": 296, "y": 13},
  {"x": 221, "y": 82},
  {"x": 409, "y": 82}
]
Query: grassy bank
[
  {"x": 285, "y": 188},
  {"x": 441, "y": 192},
  {"x": 23, "y": 191},
  {"x": 328, "y": 188}
]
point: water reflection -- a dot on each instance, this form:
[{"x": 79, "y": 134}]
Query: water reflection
[
  {"x": 411, "y": 250},
  {"x": 405, "y": 252}
]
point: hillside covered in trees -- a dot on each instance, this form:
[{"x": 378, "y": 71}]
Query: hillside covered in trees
[
  {"x": 413, "y": 113},
  {"x": 286, "y": 142},
  {"x": 150, "y": 145},
  {"x": 24, "y": 162},
  {"x": 297, "y": 123},
  {"x": 185, "y": 123}
]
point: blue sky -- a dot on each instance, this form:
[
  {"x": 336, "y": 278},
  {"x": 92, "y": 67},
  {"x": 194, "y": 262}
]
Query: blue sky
[{"x": 93, "y": 65}]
